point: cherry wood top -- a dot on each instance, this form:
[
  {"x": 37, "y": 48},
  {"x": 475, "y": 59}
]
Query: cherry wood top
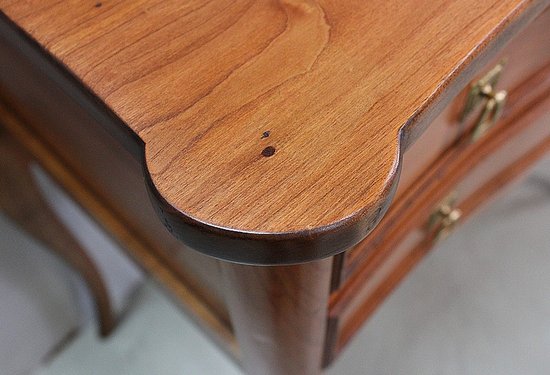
[{"x": 273, "y": 130}]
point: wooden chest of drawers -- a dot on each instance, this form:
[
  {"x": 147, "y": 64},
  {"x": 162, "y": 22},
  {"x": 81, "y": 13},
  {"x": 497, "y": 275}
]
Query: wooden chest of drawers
[{"x": 278, "y": 166}]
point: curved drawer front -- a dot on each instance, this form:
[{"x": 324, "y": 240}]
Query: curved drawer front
[
  {"x": 458, "y": 188},
  {"x": 448, "y": 135},
  {"x": 466, "y": 174},
  {"x": 533, "y": 42}
]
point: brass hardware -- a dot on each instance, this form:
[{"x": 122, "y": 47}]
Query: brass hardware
[
  {"x": 444, "y": 219},
  {"x": 484, "y": 91}
]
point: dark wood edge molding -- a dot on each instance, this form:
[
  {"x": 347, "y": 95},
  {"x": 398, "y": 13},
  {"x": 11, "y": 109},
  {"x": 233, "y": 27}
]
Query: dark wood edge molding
[
  {"x": 234, "y": 245},
  {"x": 267, "y": 248}
]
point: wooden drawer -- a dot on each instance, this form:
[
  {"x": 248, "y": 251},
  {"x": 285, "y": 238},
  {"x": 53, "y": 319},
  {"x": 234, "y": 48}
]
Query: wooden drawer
[
  {"x": 470, "y": 171},
  {"x": 447, "y": 134},
  {"x": 446, "y": 128}
]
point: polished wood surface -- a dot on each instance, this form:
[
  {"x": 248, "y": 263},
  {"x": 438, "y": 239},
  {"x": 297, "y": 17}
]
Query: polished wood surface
[
  {"x": 474, "y": 172},
  {"x": 411, "y": 256},
  {"x": 279, "y": 315},
  {"x": 248, "y": 145},
  {"x": 528, "y": 103},
  {"x": 446, "y": 129},
  {"x": 273, "y": 132},
  {"x": 21, "y": 200},
  {"x": 526, "y": 80},
  {"x": 101, "y": 160}
]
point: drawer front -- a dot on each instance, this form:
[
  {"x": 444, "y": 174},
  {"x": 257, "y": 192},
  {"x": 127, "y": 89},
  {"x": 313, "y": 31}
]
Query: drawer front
[
  {"x": 447, "y": 133},
  {"x": 471, "y": 173},
  {"x": 527, "y": 53}
]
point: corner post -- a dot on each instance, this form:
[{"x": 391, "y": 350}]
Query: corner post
[{"x": 279, "y": 315}]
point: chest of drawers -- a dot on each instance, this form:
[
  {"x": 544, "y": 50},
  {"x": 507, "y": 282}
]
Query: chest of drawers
[{"x": 278, "y": 166}]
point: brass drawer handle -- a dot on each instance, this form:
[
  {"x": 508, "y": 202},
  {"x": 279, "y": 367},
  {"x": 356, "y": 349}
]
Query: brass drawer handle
[
  {"x": 484, "y": 91},
  {"x": 444, "y": 219}
]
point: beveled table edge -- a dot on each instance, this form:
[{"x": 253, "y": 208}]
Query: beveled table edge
[{"x": 231, "y": 244}]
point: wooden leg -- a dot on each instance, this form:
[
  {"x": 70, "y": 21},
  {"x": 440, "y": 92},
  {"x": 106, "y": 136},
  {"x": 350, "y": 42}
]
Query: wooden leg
[
  {"x": 279, "y": 315},
  {"x": 21, "y": 200}
]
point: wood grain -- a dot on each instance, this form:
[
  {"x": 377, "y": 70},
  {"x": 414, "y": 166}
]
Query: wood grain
[
  {"x": 526, "y": 80},
  {"x": 474, "y": 171},
  {"x": 341, "y": 87},
  {"x": 528, "y": 103},
  {"x": 412, "y": 257},
  {"x": 447, "y": 128},
  {"x": 279, "y": 315},
  {"x": 98, "y": 159}
]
